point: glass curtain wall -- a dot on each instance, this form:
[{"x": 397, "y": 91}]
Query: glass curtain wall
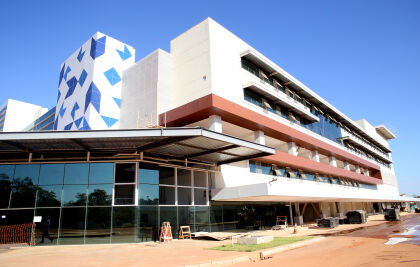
[{"x": 83, "y": 203}]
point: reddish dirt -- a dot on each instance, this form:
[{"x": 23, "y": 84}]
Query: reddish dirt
[
  {"x": 363, "y": 247},
  {"x": 360, "y": 248}
]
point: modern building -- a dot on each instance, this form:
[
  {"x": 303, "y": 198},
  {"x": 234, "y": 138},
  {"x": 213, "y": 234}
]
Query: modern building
[
  {"x": 211, "y": 134},
  {"x": 16, "y": 115},
  {"x": 89, "y": 87}
]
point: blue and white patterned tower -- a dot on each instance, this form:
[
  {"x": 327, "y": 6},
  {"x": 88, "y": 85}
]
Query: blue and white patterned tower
[{"x": 89, "y": 89}]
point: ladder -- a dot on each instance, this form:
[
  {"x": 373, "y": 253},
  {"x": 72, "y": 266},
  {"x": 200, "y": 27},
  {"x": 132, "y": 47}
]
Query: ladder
[{"x": 165, "y": 232}]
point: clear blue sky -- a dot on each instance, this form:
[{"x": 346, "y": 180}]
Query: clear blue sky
[{"x": 361, "y": 56}]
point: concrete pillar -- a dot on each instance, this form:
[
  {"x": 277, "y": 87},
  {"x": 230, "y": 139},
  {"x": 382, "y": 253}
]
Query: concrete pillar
[
  {"x": 333, "y": 161},
  {"x": 291, "y": 213},
  {"x": 215, "y": 123},
  {"x": 259, "y": 137},
  {"x": 346, "y": 166},
  {"x": 357, "y": 168},
  {"x": 367, "y": 172},
  {"x": 292, "y": 150},
  {"x": 315, "y": 155}
]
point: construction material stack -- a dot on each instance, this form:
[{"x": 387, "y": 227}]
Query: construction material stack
[
  {"x": 356, "y": 216},
  {"x": 392, "y": 214},
  {"x": 330, "y": 222}
]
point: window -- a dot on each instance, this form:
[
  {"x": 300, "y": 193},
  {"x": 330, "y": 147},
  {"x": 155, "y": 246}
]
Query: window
[
  {"x": 184, "y": 177},
  {"x": 166, "y": 195},
  {"x": 200, "y": 179},
  {"x": 125, "y": 184},
  {"x": 76, "y": 173}
]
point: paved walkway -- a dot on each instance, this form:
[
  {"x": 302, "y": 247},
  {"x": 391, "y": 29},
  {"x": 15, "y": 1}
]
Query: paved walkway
[{"x": 177, "y": 253}]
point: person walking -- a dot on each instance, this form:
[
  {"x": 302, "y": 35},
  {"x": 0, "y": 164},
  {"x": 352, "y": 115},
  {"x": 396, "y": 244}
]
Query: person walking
[{"x": 46, "y": 230}]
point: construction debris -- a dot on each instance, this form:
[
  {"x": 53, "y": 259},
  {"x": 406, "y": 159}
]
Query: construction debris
[
  {"x": 330, "y": 222},
  {"x": 356, "y": 216},
  {"x": 219, "y": 236},
  {"x": 392, "y": 214}
]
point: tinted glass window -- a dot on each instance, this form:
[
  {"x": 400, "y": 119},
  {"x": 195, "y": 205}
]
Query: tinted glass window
[
  {"x": 202, "y": 219},
  {"x": 124, "y": 194},
  {"x": 167, "y": 176},
  {"x": 51, "y": 174},
  {"x": 28, "y": 173},
  {"x": 49, "y": 196},
  {"x": 148, "y": 174},
  {"x": 101, "y": 173},
  {"x": 23, "y": 192},
  {"x": 166, "y": 195},
  {"x": 98, "y": 225},
  {"x": 74, "y": 195},
  {"x": 184, "y": 177},
  {"x": 6, "y": 172},
  {"x": 100, "y": 195},
  {"x": 76, "y": 173},
  {"x": 72, "y": 229},
  {"x": 6, "y": 176},
  {"x": 148, "y": 223},
  {"x": 124, "y": 225},
  {"x": 200, "y": 196},
  {"x": 125, "y": 173},
  {"x": 148, "y": 194},
  {"x": 200, "y": 179},
  {"x": 184, "y": 196}
]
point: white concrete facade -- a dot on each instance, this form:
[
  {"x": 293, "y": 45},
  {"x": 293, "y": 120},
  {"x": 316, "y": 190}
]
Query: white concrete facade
[
  {"x": 16, "y": 115},
  {"x": 146, "y": 91},
  {"x": 206, "y": 59}
]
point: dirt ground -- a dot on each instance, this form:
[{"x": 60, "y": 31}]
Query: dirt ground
[
  {"x": 342, "y": 248},
  {"x": 365, "y": 247}
]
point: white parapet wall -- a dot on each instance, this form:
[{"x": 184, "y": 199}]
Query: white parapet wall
[{"x": 146, "y": 91}]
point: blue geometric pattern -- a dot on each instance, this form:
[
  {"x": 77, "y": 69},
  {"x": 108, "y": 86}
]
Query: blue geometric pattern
[
  {"x": 67, "y": 72},
  {"x": 72, "y": 85},
  {"x": 62, "y": 110},
  {"x": 68, "y": 126},
  {"x": 78, "y": 121},
  {"x": 93, "y": 96},
  {"x": 124, "y": 55},
  {"x": 61, "y": 74},
  {"x": 117, "y": 101},
  {"x": 112, "y": 76},
  {"x": 97, "y": 47},
  {"x": 109, "y": 121},
  {"x": 73, "y": 110},
  {"x": 55, "y": 123},
  {"x": 80, "y": 55},
  {"x": 84, "y": 96},
  {"x": 82, "y": 77},
  {"x": 85, "y": 125}
]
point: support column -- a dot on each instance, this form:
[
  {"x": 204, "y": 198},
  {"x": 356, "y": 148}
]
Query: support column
[
  {"x": 346, "y": 166},
  {"x": 292, "y": 149},
  {"x": 291, "y": 213},
  {"x": 215, "y": 123},
  {"x": 357, "y": 169},
  {"x": 333, "y": 161},
  {"x": 315, "y": 155},
  {"x": 259, "y": 137},
  {"x": 367, "y": 172}
]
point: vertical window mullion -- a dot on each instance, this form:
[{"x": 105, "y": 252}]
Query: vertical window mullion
[{"x": 176, "y": 186}]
